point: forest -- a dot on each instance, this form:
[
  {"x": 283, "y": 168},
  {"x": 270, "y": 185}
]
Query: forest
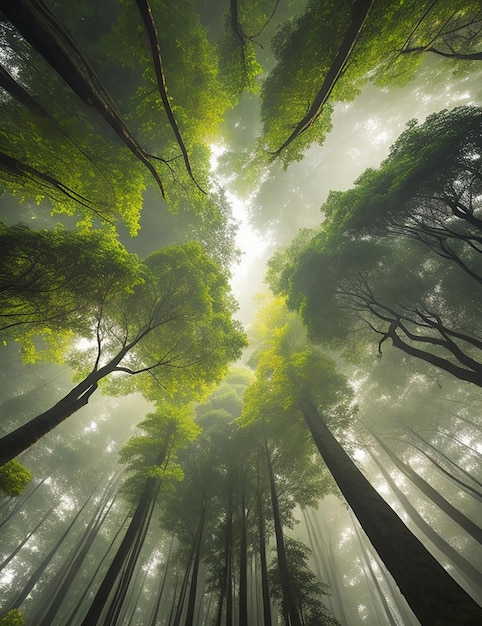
[{"x": 240, "y": 313}]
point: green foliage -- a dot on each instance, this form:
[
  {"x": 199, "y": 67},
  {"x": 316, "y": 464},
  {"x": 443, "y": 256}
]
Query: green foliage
[
  {"x": 13, "y": 618},
  {"x": 14, "y": 477},
  {"x": 308, "y": 590},
  {"x": 388, "y": 49},
  {"x": 51, "y": 281},
  {"x": 416, "y": 218},
  {"x": 153, "y": 453}
]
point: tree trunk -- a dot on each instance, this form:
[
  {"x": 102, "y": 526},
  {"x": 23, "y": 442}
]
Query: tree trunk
[
  {"x": 39, "y": 26},
  {"x": 135, "y": 528},
  {"x": 243, "y": 568},
  {"x": 195, "y": 568},
  {"x": 431, "y": 592},
  {"x": 25, "y": 436},
  {"x": 360, "y": 11},
  {"x": 264, "y": 564},
  {"x": 291, "y": 610},
  {"x": 467, "y": 524},
  {"x": 468, "y": 571}
]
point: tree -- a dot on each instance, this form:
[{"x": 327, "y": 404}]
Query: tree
[
  {"x": 152, "y": 464},
  {"x": 51, "y": 281},
  {"x": 14, "y": 477},
  {"x": 365, "y": 41},
  {"x": 300, "y": 380},
  {"x": 177, "y": 321},
  {"x": 418, "y": 222}
]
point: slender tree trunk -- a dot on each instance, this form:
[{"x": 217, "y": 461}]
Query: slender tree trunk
[
  {"x": 264, "y": 564},
  {"x": 431, "y": 592},
  {"x": 291, "y": 610},
  {"x": 7, "y": 560},
  {"x": 135, "y": 527},
  {"x": 195, "y": 569},
  {"x": 86, "y": 590},
  {"x": 35, "y": 577},
  {"x": 361, "y": 9},
  {"x": 157, "y": 606},
  {"x": 468, "y": 571},
  {"x": 243, "y": 567},
  {"x": 467, "y": 524}
]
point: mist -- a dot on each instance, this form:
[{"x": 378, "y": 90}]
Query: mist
[{"x": 240, "y": 350}]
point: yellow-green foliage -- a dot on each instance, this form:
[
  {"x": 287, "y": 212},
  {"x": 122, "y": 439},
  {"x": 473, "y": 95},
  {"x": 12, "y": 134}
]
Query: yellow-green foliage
[{"x": 14, "y": 477}]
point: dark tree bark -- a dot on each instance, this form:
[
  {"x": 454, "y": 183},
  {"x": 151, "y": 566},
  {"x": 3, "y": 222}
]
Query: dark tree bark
[
  {"x": 361, "y": 9},
  {"x": 288, "y": 598},
  {"x": 431, "y": 592},
  {"x": 39, "y": 26},
  {"x": 195, "y": 568},
  {"x": 73, "y": 564},
  {"x": 135, "y": 529}
]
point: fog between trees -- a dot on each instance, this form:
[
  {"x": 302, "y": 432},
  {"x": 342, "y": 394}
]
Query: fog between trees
[{"x": 161, "y": 464}]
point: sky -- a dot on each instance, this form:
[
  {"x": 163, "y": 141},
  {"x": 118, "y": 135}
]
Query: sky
[{"x": 363, "y": 131}]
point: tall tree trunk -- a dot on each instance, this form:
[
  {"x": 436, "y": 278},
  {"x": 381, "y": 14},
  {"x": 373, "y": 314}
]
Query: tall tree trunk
[
  {"x": 360, "y": 11},
  {"x": 135, "y": 528},
  {"x": 157, "y": 605},
  {"x": 73, "y": 614},
  {"x": 289, "y": 603},
  {"x": 467, "y": 524},
  {"x": 431, "y": 592},
  {"x": 264, "y": 564},
  {"x": 37, "y": 574},
  {"x": 66, "y": 575},
  {"x": 25, "y": 436},
  {"x": 7, "y": 559},
  {"x": 39, "y": 26},
  {"x": 195, "y": 568},
  {"x": 243, "y": 567},
  {"x": 468, "y": 571}
]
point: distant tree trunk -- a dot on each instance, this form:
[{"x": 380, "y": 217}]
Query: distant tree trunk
[
  {"x": 73, "y": 564},
  {"x": 373, "y": 580},
  {"x": 468, "y": 571},
  {"x": 431, "y": 592},
  {"x": 157, "y": 605},
  {"x": 7, "y": 560},
  {"x": 195, "y": 568},
  {"x": 243, "y": 567},
  {"x": 73, "y": 615},
  {"x": 135, "y": 529},
  {"x": 442, "y": 455},
  {"x": 264, "y": 564},
  {"x": 289, "y": 603},
  {"x": 21, "y": 500},
  {"x": 36, "y": 576},
  {"x": 467, "y": 524}
]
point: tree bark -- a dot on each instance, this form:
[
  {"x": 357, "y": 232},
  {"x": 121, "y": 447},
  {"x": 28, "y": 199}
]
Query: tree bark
[
  {"x": 39, "y": 26},
  {"x": 264, "y": 564},
  {"x": 467, "y": 524},
  {"x": 361, "y": 9},
  {"x": 435, "y": 598},
  {"x": 292, "y": 613}
]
